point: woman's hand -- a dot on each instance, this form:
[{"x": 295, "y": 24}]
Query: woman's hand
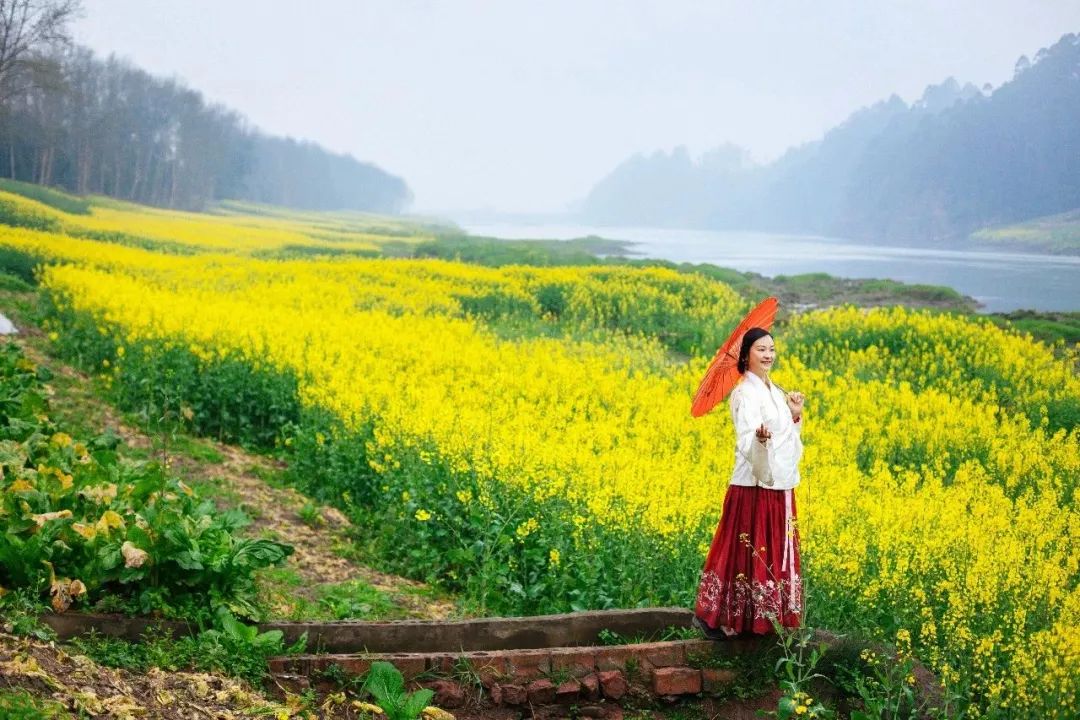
[
  {"x": 795, "y": 404},
  {"x": 763, "y": 434}
]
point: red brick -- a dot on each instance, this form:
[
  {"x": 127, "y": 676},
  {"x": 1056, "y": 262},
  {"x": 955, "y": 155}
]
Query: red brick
[
  {"x": 349, "y": 664},
  {"x": 514, "y": 694},
  {"x": 277, "y": 665},
  {"x": 441, "y": 664},
  {"x": 568, "y": 692},
  {"x": 409, "y": 664},
  {"x": 529, "y": 664},
  {"x": 496, "y": 694},
  {"x": 716, "y": 680},
  {"x": 698, "y": 647},
  {"x": 590, "y": 688},
  {"x": 662, "y": 654},
  {"x": 676, "y": 681},
  {"x": 541, "y": 692},
  {"x": 576, "y": 661},
  {"x": 448, "y": 694},
  {"x": 295, "y": 684},
  {"x": 613, "y": 684},
  {"x": 490, "y": 667},
  {"x": 614, "y": 658}
]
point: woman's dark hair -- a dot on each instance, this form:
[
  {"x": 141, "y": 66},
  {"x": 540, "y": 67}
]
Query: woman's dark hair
[{"x": 752, "y": 336}]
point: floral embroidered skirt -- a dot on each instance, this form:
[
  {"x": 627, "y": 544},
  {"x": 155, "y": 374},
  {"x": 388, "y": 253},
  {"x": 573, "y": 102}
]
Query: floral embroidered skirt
[{"x": 752, "y": 571}]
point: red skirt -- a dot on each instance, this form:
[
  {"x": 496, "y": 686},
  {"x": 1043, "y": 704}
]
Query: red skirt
[{"x": 752, "y": 574}]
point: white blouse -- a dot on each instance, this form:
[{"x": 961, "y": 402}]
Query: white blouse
[{"x": 774, "y": 465}]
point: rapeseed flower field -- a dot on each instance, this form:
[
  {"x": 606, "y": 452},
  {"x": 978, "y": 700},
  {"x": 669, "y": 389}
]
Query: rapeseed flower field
[{"x": 522, "y": 434}]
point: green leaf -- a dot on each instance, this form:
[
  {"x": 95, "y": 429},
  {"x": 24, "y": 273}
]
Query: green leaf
[
  {"x": 385, "y": 684},
  {"x": 416, "y": 702}
]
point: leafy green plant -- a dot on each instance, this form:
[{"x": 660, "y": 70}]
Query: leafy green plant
[
  {"x": 884, "y": 683},
  {"x": 386, "y": 685},
  {"x": 310, "y": 516},
  {"x": 21, "y": 705},
  {"x": 82, "y": 524},
  {"x": 231, "y": 647}
]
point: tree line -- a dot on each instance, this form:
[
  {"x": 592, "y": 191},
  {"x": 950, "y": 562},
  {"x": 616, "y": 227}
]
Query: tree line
[
  {"x": 89, "y": 125},
  {"x": 958, "y": 159}
]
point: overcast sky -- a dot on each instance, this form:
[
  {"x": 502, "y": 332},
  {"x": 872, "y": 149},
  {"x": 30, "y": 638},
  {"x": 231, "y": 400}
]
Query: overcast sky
[{"x": 521, "y": 105}]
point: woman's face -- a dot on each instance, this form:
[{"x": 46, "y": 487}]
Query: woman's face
[{"x": 762, "y": 355}]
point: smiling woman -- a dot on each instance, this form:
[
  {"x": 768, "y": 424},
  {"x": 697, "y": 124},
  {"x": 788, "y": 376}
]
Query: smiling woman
[{"x": 752, "y": 577}]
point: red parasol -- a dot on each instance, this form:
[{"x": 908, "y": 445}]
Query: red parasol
[{"x": 723, "y": 373}]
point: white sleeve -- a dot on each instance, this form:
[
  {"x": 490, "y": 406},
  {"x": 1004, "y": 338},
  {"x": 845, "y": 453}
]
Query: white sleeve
[{"x": 746, "y": 417}]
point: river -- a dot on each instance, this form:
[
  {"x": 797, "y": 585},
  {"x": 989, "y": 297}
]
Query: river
[{"x": 1001, "y": 281}]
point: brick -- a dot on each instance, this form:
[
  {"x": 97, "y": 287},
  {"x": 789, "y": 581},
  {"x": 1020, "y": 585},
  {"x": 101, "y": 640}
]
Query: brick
[
  {"x": 489, "y": 667},
  {"x": 662, "y": 654},
  {"x": 514, "y": 694},
  {"x": 409, "y": 664},
  {"x": 613, "y": 684},
  {"x": 614, "y": 658},
  {"x": 529, "y": 664},
  {"x": 676, "y": 681},
  {"x": 568, "y": 692},
  {"x": 496, "y": 693},
  {"x": 349, "y": 664},
  {"x": 448, "y": 694},
  {"x": 614, "y": 713},
  {"x": 576, "y": 661},
  {"x": 716, "y": 680},
  {"x": 541, "y": 692},
  {"x": 592, "y": 711},
  {"x": 590, "y": 688},
  {"x": 441, "y": 664},
  {"x": 295, "y": 684},
  {"x": 281, "y": 665}
]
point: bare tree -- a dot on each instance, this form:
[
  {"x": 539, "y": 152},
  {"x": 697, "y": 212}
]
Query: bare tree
[{"x": 27, "y": 27}]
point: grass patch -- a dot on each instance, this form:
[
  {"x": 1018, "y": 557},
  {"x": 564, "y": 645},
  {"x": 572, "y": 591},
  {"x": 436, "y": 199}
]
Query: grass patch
[
  {"x": 494, "y": 252},
  {"x": 357, "y": 600},
  {"x": 1049, "y": 327},
  {"x": 235, "y": 649},
  {"x": 13, "y": 283},
  {"x": 21, "y": 705},
  {"x": 1058, "y": 234},
  {"x": 48, "y": 196}
]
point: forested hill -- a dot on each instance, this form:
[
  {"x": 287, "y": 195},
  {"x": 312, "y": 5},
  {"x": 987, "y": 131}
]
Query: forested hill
[
  {"x": 72, "y": 120},
  {"x": 957, "y": 160}
]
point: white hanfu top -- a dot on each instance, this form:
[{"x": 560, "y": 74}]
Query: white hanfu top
[{"x": 774, "y": 465}]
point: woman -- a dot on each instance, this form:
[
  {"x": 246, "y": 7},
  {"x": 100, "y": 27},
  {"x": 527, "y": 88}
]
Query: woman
[{"x": 751, "y": 575}]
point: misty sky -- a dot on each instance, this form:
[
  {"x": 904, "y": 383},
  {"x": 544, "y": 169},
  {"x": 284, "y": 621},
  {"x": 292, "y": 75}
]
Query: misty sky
[{"x": 521, "y": 105}]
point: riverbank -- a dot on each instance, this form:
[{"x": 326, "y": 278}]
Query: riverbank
[
  {"x": 1053, "y": 234},
  {"x": 797, "y": 292},
  {"x": 1000, "y": 281}
]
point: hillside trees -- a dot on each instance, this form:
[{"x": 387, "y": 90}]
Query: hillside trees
[
  {"x": 957, "y": 160},
  {"x": 70, "y": 119}
]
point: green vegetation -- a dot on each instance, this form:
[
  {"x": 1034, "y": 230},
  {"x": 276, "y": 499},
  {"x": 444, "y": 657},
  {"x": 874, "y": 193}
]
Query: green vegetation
[
  {"x": 387, "y": 687},
  {"x": 21, "y": 705},
  {"x": 232, "y": 648},
  {"x": 84, "y": 528},
  {"x": 47, "y": 196},
  {"x": 795, "y": 291},
  {"x": 1052, "y": 233},
  {"x": 13, "y": 283},
  {"x": 496, "y": 253},
  {"x": 1050, "y": 327}
]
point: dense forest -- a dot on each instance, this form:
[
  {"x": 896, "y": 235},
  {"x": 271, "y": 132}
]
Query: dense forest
[
  {"x": 958, "y": 159},
  {"x": 89, "y": 125}
]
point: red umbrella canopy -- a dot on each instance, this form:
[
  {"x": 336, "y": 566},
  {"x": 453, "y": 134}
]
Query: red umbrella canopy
[{"x": 723, "y": 373}]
